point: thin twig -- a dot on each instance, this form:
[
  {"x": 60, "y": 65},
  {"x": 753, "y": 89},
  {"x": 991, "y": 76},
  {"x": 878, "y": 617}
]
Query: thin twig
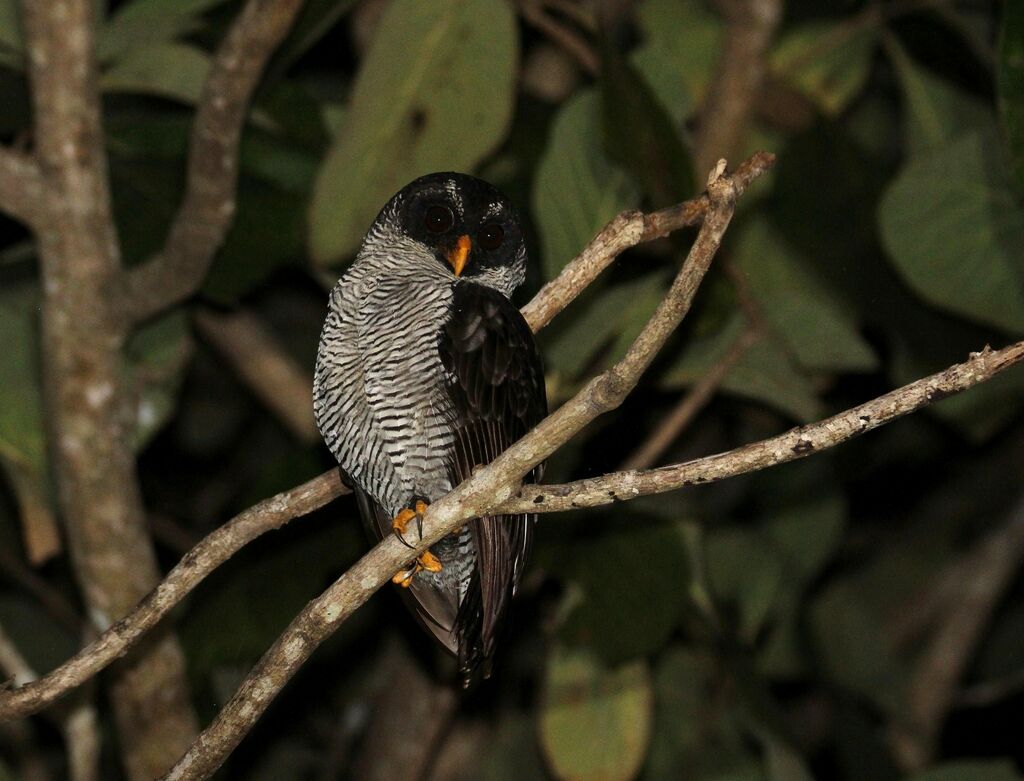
[
  {"x": 214, "y": 550},
  {"x": 77, "y": 722},
  {"x": 686, "y": 409},
  {"x": 625, "y": 231},
  {"x": 796, "y": 443},
  {"x": 561, "y": 35},
  {"x": 986, "y": 572},
  {"x": 740, "y": 70},
  {"x": 262, "y": 364},
  {"x": 22, "y": 190},
  {"x": 205, "y": 215}
]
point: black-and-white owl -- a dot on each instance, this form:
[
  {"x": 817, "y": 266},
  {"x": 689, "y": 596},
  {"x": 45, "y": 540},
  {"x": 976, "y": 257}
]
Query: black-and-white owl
[{"x": 426, "y": 370}]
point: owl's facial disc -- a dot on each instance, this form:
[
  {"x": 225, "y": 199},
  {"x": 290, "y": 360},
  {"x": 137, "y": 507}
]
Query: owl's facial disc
[{"x": 459, "y": 254}]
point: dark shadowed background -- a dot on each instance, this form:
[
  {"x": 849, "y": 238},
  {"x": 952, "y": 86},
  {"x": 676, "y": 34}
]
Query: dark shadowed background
[{"x": 855, "y": 615}]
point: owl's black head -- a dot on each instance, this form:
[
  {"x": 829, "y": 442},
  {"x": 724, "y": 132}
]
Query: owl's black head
[{"x": 469, "y": 225}]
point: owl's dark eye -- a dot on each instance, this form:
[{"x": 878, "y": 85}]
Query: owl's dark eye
[
  {"x": 438, "y": 219},
  {"x": 490, "y": 236}
]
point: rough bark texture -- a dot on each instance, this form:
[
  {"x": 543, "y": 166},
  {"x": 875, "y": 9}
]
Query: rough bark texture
[{"x": 90, "y": 419}]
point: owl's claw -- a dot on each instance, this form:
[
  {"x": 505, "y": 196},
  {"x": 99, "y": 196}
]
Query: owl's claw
[
  {"x": 400, "y": 521},
  {"x": 428, "y": 561}
]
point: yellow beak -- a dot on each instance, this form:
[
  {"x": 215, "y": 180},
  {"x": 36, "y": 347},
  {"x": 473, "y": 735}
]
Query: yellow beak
[{"x": 458, "y": 255}]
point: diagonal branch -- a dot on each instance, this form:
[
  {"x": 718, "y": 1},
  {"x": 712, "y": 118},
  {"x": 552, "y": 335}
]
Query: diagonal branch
[
  {"x": 21, "y": 187},
  {"x": 205, "y": 215},
  {"x": 795, "y": 443},
  {"x": 627, "y": 230},
  {"x": 209, "y": 554}
]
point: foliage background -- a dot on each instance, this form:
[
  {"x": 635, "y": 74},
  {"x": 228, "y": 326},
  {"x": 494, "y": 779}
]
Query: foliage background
[{"x": 762, "y": 628}]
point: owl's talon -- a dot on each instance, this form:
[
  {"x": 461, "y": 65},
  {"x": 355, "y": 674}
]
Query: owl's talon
[
  {"x": 406, "y": 514},
  {"x": 427, "y": 561}
]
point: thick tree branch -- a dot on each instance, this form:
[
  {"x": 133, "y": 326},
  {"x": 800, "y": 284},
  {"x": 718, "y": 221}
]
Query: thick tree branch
[
  {"x": 21, "y": 187},
  {"x": 205, "y": 215},
  {"x": 88, "y": 410}
]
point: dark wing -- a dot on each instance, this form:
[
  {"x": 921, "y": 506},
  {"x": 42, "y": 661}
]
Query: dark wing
[{"x": 496, "y": 387}]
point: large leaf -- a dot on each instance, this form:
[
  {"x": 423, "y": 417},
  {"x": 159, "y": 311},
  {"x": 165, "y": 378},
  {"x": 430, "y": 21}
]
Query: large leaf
[
  {"x": 576, "y": 190},
  {"x": 141, "y": 24},
  {"x": 679, "y": 52},
  {"x": 955, "y": 232},
  {"x": 831, "y": 75},
  {"x": 10, "y": 34},
  {"x": 639, "y": 134},
  {"x": 22, "y": 436},
  {"x": 937, "y": 112},
  {"x": 610, "y": 315},
  {"x": 799, "y": 305},
  {"x": 698, "y": 722},
  {"x": 167, "y": 70},
  {"x": 632, "y": 587},
  {"x": 1011, "y": 86},
  {"x": 764, "y": 372},
  {"x": 595, "y": 722},
  {"x": 435, "y": 93}
]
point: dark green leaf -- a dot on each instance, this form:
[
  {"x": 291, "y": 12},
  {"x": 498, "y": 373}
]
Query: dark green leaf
[
  {"x": 576, "y": 190},
  {"x": 698, "y": 724},
  {"x": 434, "y": 93},
  {"x": 141, "y": 24},
  {"x": 936, "y": 111},
  {"x": 611, "y": 315},
  {"x": 266, "y": 235},
  {"x": 632, "y": 587},
  {"x": 955, "y": 232},
  {"x": 831, "y": 75},
  {"x": 682, "y": 39},
  {"x": 765, "y": 372},
  {"x": 168, "y": 70},
  {"x": 639, "y": 135},
  {"x": 799, "y": 305},
  {"x": 595, "y": 722}
]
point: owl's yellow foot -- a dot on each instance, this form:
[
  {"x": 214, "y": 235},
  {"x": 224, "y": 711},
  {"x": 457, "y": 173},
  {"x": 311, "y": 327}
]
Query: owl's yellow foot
[
  {"x": 428, "y": 561},
  {"x": 401, "y": 521}
]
